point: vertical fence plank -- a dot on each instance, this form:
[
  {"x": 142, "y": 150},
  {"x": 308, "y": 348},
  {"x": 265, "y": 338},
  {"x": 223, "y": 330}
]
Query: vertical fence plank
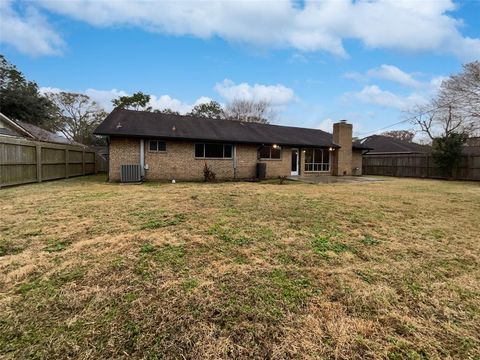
[
  {"x": 39, "y": 162},
  {"x": 66, "y": 164},
  {"x": 83, "y": 162}
]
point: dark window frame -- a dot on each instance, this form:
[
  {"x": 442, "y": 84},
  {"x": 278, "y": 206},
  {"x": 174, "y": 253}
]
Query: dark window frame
[
  {"x": 271, "y": 148},
  {"x": 156, "y": 150},
  {"x": 224, "y": 146},
  {"x": 317, "y": 165}
]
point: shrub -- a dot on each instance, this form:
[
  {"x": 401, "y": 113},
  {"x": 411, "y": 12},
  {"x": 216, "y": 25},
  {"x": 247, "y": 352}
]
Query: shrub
[
  {"x": 447, "y": 152},
  {"x": 208, "y": 174}
]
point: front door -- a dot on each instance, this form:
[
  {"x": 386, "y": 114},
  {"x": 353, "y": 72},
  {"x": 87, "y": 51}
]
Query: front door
[{"x": 294, "y": 169}]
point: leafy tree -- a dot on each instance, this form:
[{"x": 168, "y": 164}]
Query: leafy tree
[
  {"x": 249, "y": 111},
  {"x": 211, "y": 110},
  {"x": 77, "y": 116},
  {"x": 166, "y": 111},
  {"x": 447, "y": 152},
  {"x": 20, "y": 98},
  {"x": 137, "y": 101},
  {"x": 404, "y": 135}
]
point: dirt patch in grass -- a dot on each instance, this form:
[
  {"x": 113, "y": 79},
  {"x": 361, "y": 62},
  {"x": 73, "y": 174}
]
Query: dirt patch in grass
[{"x": 240, "y": 270}]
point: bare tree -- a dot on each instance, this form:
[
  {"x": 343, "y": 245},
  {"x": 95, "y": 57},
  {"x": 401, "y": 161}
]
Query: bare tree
[
  {"x": 456, "y": 108},
  {"x": 462, "y": 94},
  {"x": 249, "y": 111},
  {"x": 77, "y": 116}
]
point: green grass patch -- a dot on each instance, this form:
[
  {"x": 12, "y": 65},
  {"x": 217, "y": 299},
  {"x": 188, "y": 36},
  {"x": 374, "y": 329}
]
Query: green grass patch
[
  {"x": 189, "y": 284},
  {"x": 163, "y": 221},
  {"x": 57, "y": 245},
  {"x": 369, "y": 240},
  {"x": 8, "y": 247},
  {"x": 229, "y": 235},
  {"x": 323, "y": 244}
]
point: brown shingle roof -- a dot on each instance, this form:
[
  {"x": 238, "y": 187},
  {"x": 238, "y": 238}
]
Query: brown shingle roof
[
  {"x": 387, "y": 145},
  {"x": 169, "y": 126}
]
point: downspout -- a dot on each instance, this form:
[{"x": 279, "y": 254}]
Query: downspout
[
  {"x": 234, "y": 161},
  {"x": 142, "y": 158}
]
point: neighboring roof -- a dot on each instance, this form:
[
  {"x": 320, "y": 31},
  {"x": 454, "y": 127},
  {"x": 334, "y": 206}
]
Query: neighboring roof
[
  {"x": 32, "y": 131},
  {"x": 5, "y": 131},
  {"x": 387, "y": 145},
  {"x": 44, "y": 135},
  {"x": 14, "y": 129},
  {"x": 169, "y": 126}
]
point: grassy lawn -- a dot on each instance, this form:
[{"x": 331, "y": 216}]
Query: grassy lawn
[{"x": 94, "y": 270}]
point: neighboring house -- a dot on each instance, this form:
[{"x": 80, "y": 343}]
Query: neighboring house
[
  {"x": 21, "y": 129},
  {"x": 386, "y": 145},
  {"x": 168, "y": 146}
]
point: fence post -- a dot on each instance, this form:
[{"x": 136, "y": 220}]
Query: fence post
[
  {"x": 428, "y": 166},
  {"x": 39, "y": 162},
  {"x": 66, "y": 163},
  {"x": 83, "y": 162}
]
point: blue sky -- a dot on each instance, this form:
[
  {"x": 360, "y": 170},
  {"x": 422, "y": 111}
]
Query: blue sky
[{"x": 315, "y": 62}]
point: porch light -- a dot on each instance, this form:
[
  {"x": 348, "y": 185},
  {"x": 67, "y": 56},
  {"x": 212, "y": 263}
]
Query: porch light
[
  {"x": 275, "y": 146},
  {"x": 330, "y": 149}
]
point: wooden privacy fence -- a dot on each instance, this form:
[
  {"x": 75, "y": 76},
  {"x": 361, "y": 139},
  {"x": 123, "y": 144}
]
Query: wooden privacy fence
[
  {"x": 419, "y": 165},
  {"x": 25, "y": 161}
]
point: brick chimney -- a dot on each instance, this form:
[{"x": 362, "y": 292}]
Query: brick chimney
[{"x": 342, "y": 159}]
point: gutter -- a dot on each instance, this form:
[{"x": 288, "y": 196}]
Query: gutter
[{"x": 142, "y": 158}]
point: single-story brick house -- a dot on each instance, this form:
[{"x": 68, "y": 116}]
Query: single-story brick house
[{"x": 169, "y": 146}]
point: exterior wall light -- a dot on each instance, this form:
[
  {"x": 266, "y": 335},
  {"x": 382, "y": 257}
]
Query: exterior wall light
[{"x": 331, "y": 149}]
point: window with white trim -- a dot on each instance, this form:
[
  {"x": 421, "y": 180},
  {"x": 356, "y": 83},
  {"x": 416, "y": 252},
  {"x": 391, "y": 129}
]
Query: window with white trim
[
  {"x": 317, "y": 160},
  {"x": 157, "y": 145},
  {"x": 213, "y": 151},
  {"x": 269, "y": 153}
]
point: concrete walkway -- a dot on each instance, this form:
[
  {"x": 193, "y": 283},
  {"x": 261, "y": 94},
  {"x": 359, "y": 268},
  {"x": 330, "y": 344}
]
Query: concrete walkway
[{"x": 327, "y": 179}]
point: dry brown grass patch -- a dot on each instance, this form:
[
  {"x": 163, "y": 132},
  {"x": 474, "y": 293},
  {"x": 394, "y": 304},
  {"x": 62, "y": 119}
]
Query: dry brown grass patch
[{"x": 240, "y": 270}]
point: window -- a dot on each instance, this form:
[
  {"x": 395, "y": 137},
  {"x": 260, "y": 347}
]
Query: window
[
  {"x": 156, "y": 145},
  {"x": 213, "y": 151},
  {"x": 269, "y": 152},
  {"x": 317, "y": 160}
]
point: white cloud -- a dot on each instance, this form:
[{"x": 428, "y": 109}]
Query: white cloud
[
  {"x": 390, "y": 73},
  {"x": 417, "y": 26},
  {"x": 327, "y": 125},
  {"x": 29, "y": 33},
  {"x": 393, "y": 73},
  {"x": 276, "y": 95},
  {"x": 373, "y": 94},
  {"x": 104, "y": 99}
]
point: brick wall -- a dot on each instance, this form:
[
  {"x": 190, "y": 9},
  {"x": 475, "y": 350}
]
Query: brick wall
[
  {"x": 357, "y": 162},
  {"x": 122, "y": 151},
  {"x": 179, "y": 162}
]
